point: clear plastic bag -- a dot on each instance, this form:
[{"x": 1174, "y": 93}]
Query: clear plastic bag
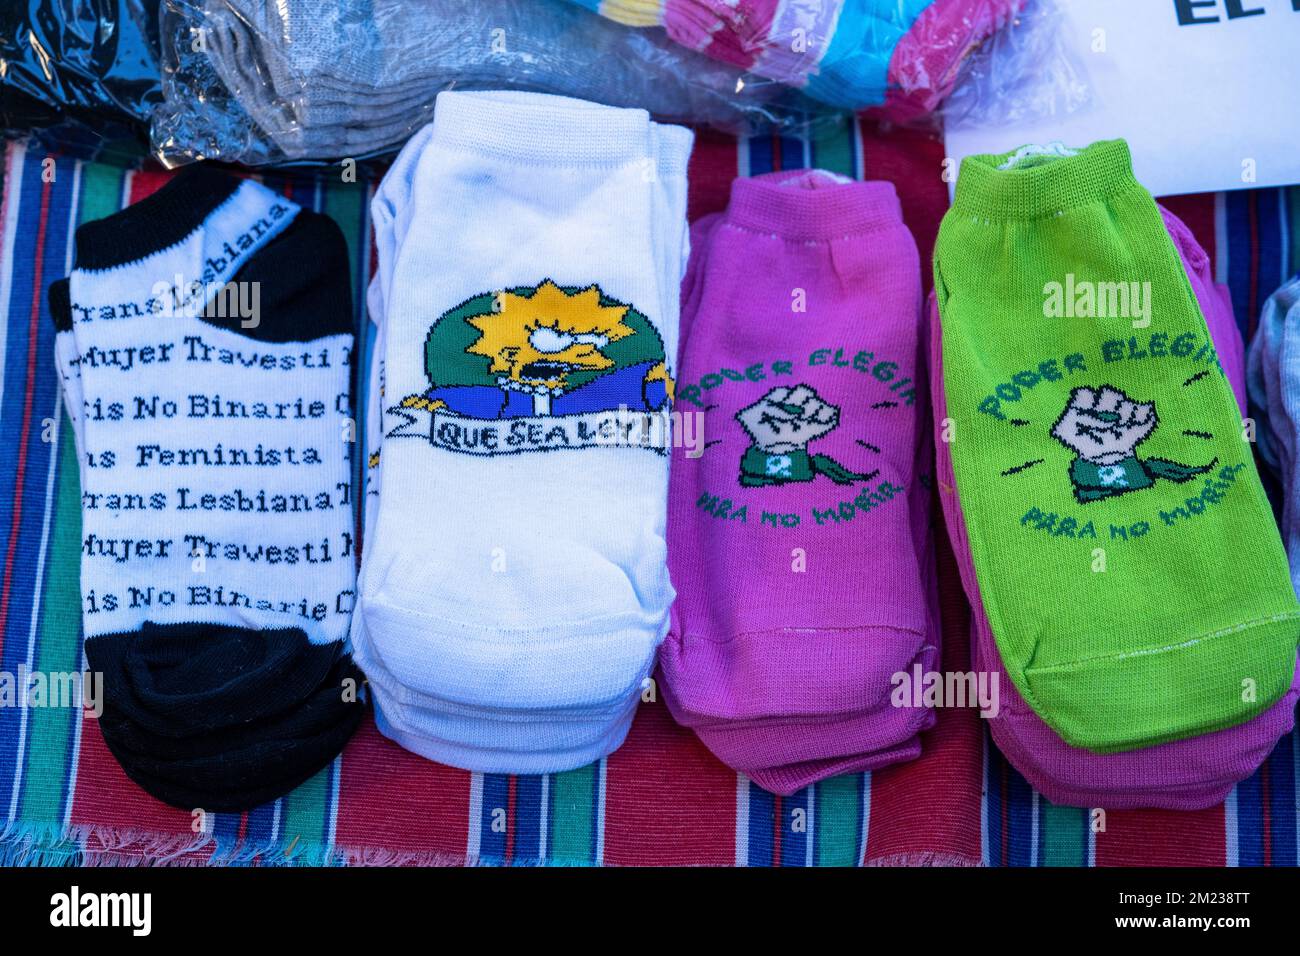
[
  {"x": 83, "y": 74},
  {"x": 260, "y": 81},
  {"x": 897, "y": 58},
  {"x": 1024, "y": 72}
]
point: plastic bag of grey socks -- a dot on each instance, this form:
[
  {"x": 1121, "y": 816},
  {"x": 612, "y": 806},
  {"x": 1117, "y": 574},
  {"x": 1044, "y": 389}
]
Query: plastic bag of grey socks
[{"x": 257, "y": 82}]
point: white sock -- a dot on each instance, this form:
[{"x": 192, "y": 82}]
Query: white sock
[
  {"x": 156, "y": 460},
  {"x": 462, "y": 677},
  {"x": 417, "y": 715}
]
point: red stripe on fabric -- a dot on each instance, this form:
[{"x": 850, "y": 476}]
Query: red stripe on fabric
[
  {"x": 391, "y": 798},
  {"x": 20, "y": 470},
  {"x": 1163, "y": 838},
  {"x": 106, "y": 797},
  {"x": 145, "y": 183},
  {"x": 668, "y": 801},
  {"x": 1197, "y": 213},
  {"x": 713, "y": 166},
  {"x": 912, "y": 160},
  {"x": 931, "y": 806}
]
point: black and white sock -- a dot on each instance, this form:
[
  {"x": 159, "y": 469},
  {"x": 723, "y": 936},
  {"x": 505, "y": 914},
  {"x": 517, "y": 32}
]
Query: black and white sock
[{"x": 204, "y": 349}]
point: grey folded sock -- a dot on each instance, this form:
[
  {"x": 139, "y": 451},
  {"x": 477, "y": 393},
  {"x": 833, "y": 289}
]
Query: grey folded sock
[{"x": 358, "y": 77}]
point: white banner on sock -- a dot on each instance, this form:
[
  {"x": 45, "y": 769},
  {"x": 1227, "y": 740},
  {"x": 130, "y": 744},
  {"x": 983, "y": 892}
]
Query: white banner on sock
[{"x": 513, "y": 436}]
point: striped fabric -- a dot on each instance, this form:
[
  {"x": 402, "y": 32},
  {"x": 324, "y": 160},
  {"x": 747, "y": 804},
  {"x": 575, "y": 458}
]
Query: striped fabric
[{"x": 661, "y": 799}]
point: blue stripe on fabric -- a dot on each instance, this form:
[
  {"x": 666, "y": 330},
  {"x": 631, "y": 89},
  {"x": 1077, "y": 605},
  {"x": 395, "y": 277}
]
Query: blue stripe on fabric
[
  {"x": 761, "y": 808},
  {"x": 1282, "y": 804},
  {"x": 794, "y": 840},
  {"x": 1250, "y": 820},
  {"x": 528, "y": 818},
  {"x": 43, "y": 388},
  {"x": 496, "y": 797}
]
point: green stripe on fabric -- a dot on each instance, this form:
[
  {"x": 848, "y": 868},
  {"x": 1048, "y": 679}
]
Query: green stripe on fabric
[
  {"x": 50, "y": 730},
  {"x": 101, "y": 192},
  {"x": 345, "y": 203},
  {"x": 1062, "y": 835},
  {"x": 573, "y": 815},
  {"x": 832, "y": 146},
  {"x": 838, "y": 817},
  {"x": 303, "y": 814}
]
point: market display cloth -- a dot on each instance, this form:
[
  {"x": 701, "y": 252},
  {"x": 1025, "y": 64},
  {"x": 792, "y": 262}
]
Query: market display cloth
[{"x": 661, "y": 798}]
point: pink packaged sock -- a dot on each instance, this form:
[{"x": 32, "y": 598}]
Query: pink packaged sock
[
  {"x": 927, "y": 61},
  {"x": 1184, "y": 775},
  {"x": 736, "y": 32},
  {"x": 796, "y": 540}
]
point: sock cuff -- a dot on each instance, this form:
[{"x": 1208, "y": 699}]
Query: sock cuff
[
  {"x": 540, "y": 129},
  {"x": 157, "y": 221},
  {"x": 674, "y": 148},
  {"x": 991, "y": 186},
  {"x": 812, "y": 205}
]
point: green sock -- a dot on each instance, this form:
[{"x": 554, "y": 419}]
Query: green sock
[{"x": 1126, "y": 555}]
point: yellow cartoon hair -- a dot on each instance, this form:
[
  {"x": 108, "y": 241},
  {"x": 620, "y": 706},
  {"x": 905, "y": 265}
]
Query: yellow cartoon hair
[{"x": 515, "y": 316}]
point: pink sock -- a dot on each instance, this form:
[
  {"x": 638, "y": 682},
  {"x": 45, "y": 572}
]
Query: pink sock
[
  {"x": 797, "y": 540},
  {"x": 927, "y": 61},
  {"x": 732, "y": 32},
  {"x": 1184, "y": 775}
]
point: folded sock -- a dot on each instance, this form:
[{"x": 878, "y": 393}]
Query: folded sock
[
  {"x": 810, "y": 451},
  {"x": 203, "y": 346},
  {"x": 791, "y": 778},
  {"x": 1075, "y": 433},
  {"x": 557, "y": 685},
  {"x": 1182, "y": 775},
  {"x": 518, "y": 736}
]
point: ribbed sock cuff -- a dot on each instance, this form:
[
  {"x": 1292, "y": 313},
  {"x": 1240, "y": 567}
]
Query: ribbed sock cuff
[
  {"x": 157, "y": 221},
  {"x": 812, "y": 205},
  {"x": 540, "y": 129},
  {"x": 1042, "y": 184}
]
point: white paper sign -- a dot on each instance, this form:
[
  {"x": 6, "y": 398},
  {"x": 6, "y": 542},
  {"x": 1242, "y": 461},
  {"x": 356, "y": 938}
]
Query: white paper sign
[{"x": 1207, "y": 92}]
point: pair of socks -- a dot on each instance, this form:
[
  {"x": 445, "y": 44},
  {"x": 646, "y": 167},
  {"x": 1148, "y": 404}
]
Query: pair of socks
[
  {"x": 1124, "y": 552},
  {"x": 1181, "y": 775},
  {"x": 516, "y": 630},
  {"x": 203, "y": 346},
  {"x": 1273, "y": 378},
  {"x": 799, "y": 535},
  {"x": 359, "y": 78}
]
